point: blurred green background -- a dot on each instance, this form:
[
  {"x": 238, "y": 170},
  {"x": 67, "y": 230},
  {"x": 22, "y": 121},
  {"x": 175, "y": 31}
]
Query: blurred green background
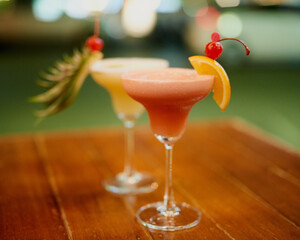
[{"x": 265, "y": 84}]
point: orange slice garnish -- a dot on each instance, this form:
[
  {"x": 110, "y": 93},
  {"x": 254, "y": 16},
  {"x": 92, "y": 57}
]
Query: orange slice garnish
[{"x": 221, "y": 86}]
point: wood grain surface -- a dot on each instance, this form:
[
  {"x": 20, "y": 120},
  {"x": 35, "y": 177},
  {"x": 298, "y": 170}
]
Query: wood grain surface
[{"x": 246, "y": 184}]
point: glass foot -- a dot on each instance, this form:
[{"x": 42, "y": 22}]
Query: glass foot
[
  {"x": 137, "y": 183},
  {"x": 156, "y": 217}
]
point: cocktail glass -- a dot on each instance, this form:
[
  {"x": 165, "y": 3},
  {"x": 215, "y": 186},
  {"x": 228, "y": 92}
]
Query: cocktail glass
[
  {"x": 168, "y": 96},
  {"x": 107, "y": 73}
]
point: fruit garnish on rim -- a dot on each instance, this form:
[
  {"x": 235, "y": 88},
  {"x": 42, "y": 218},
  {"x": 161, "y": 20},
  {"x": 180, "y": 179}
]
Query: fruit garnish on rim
[
  {"x": 66, "y": 78},
  {"x": 209, "y": 66}
]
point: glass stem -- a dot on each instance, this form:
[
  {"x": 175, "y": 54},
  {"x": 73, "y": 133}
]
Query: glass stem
[
  {"x": 169, "y": 202},
  {"x": 129, "y": 148}
]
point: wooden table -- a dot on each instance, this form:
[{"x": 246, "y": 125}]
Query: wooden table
[{"x": 245, "y": 184}]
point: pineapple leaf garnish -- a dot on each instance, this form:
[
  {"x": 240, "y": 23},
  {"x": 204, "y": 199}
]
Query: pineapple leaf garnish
[{"x": 64, "y": 80}]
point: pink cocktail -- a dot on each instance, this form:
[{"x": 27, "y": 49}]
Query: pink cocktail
[{"x": 168, "y": 96}]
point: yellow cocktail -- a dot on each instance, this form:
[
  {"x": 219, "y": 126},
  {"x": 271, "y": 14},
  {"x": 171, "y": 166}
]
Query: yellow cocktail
[{"x": 107, "y": 73}]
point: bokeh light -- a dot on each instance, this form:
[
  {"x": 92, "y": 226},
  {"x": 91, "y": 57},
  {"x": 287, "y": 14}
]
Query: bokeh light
[
  {"x": 152, "y": 4},
  {"x": 206, "y": 18},
  {"x": 76, "y": 9},
  {"x": 47, "y": 10},
  {"x": 228, "y": 3},
  {"x": 95, "y": 7},
  {"x": 230, "y": 25},
  {"x": 113, "y": 7},
  {"x": 169, "y": 6},
  {"x": 139, "y": 17}
]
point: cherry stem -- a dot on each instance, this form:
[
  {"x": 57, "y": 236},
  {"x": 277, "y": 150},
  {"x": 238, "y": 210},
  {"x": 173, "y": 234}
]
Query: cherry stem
[
  {"x": 235, "y": 39},
  {"x": 96, "y": 26}
]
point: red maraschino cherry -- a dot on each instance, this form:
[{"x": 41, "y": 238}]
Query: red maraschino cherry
[
  {"x": 95, "y": 43},
  {"x": 214, "y": 48}
]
